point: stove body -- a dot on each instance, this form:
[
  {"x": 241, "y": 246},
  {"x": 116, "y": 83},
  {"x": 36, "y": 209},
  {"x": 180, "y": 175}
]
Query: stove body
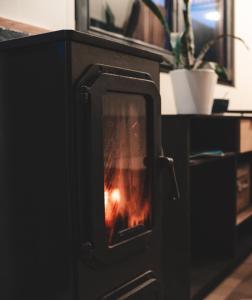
[{"x": 80, "y": 116}]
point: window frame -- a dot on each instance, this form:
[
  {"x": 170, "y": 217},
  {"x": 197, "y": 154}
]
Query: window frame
[{"x": 176, "y": 23}]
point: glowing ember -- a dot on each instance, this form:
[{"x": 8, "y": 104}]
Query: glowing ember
[
  {"x": 115, "y": 196},
  {"x": 106, "y": 199},
  {"x": 119, "y": 210}
]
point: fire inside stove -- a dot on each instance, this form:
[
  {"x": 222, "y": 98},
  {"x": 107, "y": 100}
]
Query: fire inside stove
[{"x": 127, "y": 188}]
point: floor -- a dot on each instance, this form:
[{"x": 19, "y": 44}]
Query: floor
[{"x": 238, "y": 286}]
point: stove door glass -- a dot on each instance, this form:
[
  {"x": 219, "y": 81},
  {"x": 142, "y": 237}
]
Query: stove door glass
[{"x": 127, "y": 187}]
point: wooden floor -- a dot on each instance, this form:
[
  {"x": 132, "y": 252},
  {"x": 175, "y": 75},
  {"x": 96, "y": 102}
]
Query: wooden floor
[{"x": 238, "y": 286}]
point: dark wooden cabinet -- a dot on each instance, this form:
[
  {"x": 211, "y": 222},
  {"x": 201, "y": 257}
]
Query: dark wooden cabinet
[{"x": 213, "y": 161}]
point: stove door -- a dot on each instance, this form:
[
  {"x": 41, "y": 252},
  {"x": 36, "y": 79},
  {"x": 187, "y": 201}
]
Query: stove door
[{"x": 119, "y": 145}]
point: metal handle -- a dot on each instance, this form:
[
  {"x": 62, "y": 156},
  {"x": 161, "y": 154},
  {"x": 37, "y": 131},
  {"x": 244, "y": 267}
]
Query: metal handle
[{"x": 167, "y": 165}]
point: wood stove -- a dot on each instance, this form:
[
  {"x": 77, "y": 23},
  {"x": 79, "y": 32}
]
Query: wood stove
[{"x": 81, "y": 175}]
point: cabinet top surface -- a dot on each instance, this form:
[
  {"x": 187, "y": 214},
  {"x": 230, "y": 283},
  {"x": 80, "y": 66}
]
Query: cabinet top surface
[
  {"x": 244, "y": 115},
  {"x": 84, "y": 38}
]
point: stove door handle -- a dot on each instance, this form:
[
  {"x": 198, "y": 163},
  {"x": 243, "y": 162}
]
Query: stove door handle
[{"x": 167, "y": 164}]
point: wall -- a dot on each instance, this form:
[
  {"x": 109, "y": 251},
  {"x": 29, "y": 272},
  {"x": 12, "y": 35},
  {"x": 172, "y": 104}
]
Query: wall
[
  {"x": 241, "y": 95},
  {"x": 49, "y": 14}
]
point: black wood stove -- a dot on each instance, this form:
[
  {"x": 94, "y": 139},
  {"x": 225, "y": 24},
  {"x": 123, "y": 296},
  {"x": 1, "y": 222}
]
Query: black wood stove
[{"x": 81, "y": 170}]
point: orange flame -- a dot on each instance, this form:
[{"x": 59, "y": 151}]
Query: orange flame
[{"x": 118, "y": 208}]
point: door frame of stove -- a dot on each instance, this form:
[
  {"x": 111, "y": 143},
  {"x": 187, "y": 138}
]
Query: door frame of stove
[{"x": 97, "y": 81}]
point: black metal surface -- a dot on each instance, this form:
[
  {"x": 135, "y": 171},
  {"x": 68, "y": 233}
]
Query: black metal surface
[
  {"x": 176, "y": 144},
  {"x": 168, "y": 164},
  {"x": 36, "y": 230},
  {"x": 75, "y": 36},
  {"x": 42, "y": 256}
]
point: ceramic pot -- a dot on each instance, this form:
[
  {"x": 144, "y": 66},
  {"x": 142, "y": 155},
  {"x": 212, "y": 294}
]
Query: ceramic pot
[{"x": 194, "y": 90}]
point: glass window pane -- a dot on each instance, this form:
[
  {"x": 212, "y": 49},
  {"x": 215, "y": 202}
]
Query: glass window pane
[
  {"x": 130, "y": 18},
  {"x": 208, "y": 23},
  {"x": 126, "y": 175}
]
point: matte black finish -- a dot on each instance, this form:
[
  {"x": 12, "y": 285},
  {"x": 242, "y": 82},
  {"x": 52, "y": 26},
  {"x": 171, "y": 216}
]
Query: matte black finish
[
  {"x": 79, "y": 37},
  {"x": 176, "y": 144},
  {"x": 36, "y": 231},
  {"x": 51, "y": 228}
]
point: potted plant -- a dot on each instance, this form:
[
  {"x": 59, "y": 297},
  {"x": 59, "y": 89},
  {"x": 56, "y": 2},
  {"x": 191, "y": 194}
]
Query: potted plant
[{"x": 193, "y": 78}]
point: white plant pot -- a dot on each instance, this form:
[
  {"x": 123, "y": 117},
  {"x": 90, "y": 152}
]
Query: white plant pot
[{"x": 194, "y": 90}]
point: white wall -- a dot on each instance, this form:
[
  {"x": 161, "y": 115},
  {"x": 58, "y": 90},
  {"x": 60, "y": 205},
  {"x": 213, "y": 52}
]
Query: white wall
[
  {"x": 241, "y": 95},
  {"x": 48, "y": 14}
]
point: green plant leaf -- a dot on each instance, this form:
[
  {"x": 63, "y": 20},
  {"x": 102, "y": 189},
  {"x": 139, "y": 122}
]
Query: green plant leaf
[
  {"x": 187, "y": 39},
  {"x": 110, "y": 18},
  {"x": 208, "y": 46},
  {"x": 219, "y": 70},
  {"x": 156, "y": 11},
  {"x": 176, "y": 46}
]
